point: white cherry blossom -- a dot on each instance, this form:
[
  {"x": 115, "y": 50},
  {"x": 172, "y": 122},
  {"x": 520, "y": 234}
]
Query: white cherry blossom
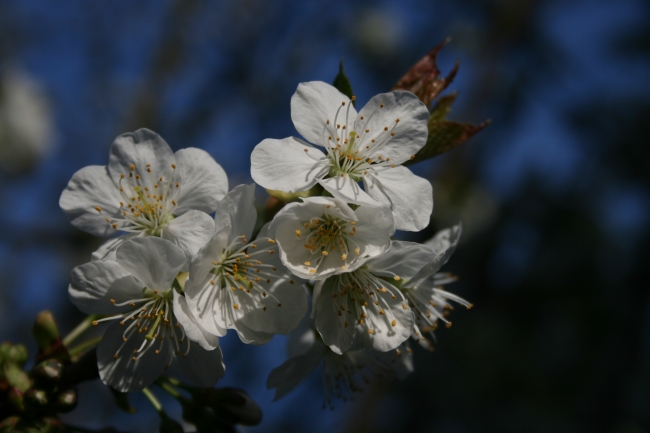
[
  {"x": 323, "y": 236},
  {"x": 367, "y": 147},
  {"x": 147, "y": 190},
  {"x": 241, "y": 284},
  {"x": 425, "y": 291},
  {"x": 343, "y": 375},
  {"x": 152, "y": 326},
  {"x": 368, "y": 302}
]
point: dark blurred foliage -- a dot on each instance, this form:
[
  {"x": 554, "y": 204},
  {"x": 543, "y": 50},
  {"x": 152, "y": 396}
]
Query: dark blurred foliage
[{"x": 554, "y": 195}]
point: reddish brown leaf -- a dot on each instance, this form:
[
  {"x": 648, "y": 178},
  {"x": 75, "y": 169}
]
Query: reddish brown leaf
[{"x": 424, "y": 79}]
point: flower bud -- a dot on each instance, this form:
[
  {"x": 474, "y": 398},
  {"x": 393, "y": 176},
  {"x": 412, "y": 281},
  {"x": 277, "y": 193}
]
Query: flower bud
[
  {"x": 35, "y": 399},
  {"x": 66, "y": 400},
  {"x": 48, "y": 372},
  {"x": 45, "y": 331}
]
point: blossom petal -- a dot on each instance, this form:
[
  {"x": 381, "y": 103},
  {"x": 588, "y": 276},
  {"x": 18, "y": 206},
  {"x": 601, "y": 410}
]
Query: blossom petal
[
  {"x": 316, "y": 103},
  {"x": 191, "y": 231},
  {"x": 192, "y": 329},
  {"x": 286, "y": 305},
  {"x": 331, "y": 319},
  {"x": 203, "y": 182},
  {"x": 373, "y": 230},
  {"x": 287, "y": 376},
  {"x": 106, "y": 251},
  {"x": 288, "y": 165},
  {"x": 248, "y": 336},
  {"x": 348, "y": 190},
  {"x": 404, "y": 259},
  {"x": 124, "y": 374},
  {"x": 392, "y": 328},
  {"x": 444, "y": 244},
  {"x": 237, "y": 209},
  {"x": 380, "y": 117},
  {"x": 154, "y": 261},
  {"x": 141, "y": 150},
  {"x": 202, "y": 367},
  {"x": 90, "y": 198},
  {"x": 199, "y": 290},
  {"x": 94, "y": 284},
  {"x": 410, "y": 197},
  {"x": 301, "y": 339}
]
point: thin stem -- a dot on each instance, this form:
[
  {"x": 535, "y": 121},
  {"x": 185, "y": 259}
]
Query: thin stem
[
  {"x": 80, "y": 329},
  {"x": 170, "y": 390},
  {"x": 84, "y": 346},
  {"x": 153, "y": 400}
]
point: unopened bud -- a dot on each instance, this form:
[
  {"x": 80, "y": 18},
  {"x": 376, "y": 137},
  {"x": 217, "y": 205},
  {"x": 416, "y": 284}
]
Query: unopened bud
[
  {"x": 48, "y": 372},
  {"x": 35, "y": 399},
  {"x": 66, "y": 400},
  {"x": 45, "y": 331}
]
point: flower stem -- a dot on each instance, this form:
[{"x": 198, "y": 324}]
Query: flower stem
[
  {"x": 84, "y": 346},
  {"x": 153, "y": 400},
  {"x": 170, "y": 390},
  {"x": 80, "y": 329}
]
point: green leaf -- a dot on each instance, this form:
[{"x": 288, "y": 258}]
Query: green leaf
[
  {"x": 443, "y": 107},
  {"x": 444, "y": 135},
  {"x": 342, "y": 83}
]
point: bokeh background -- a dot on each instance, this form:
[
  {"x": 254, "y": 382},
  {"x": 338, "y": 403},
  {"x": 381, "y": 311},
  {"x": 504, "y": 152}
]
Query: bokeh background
[{"x": 554, "y": 195}]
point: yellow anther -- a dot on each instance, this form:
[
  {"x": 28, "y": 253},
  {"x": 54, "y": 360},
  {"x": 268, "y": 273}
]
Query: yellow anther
[
  {"x": 381, "y": 106},
  {"x": 371, "y": 331},
  {"x": 174, "y": 166},
  {"x": 394, "y": 322},
  {"x": 235, "y": 306},
  {"x": 98, "y": 209},
  {"x": 312, "y": 271},
  {"x": 132, "y": 166},
  {"x": 344, "y": 256},
  {"x": 307, "y": 263},
  {"x": 324, "y": 253},
  {"x": 356, "y": 250},
  {"x": 404, "y": 306},
  {"x": 397, "y": 278},
  {"x": 392, "y": 134}
]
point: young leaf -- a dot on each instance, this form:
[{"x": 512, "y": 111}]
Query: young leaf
[
  {"x": 444, "y": 135},
  {"x": 342, "y": 84},
  {"x": 423, "y": 78}
]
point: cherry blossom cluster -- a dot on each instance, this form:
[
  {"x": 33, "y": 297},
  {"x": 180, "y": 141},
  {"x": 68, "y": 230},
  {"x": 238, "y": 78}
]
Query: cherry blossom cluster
[{"x": 186, "y": 258}]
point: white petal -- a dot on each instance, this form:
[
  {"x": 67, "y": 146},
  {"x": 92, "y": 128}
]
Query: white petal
[
  {"x": 191, "y": 231},
  {"x": 346, "y": 189},
  {"x": 284, "y": 165},
  {"x": 237, "y": 209},
  {"x": 202, "y": 367},
  {"x": 193, "y": 330},
  {"x": 410, "y": 132},
  {"x": 276, "y": 319},
  {"x": 410, "y": 197},
  {"x": 154, "y": 261},
  {"x": 301, "y": 339},
  {"x": 248, "y": 336},
  {"x": 314, "y": 104},
  {"x": 202, "y": 181},
  {"x": 123, "y": 373},
  {"x": 140, "y": 148},
  {"x": 94, "y": 284},
  {"x": 386, "y": 336},
  {"x": 374, "y": 229},
  {"x": 91, "y": 188},
  {"x": 198, "y": 288},
  {"x": 404, "y": 259},
  {"x": 445, "y": 243},
  {"x": 287, "y": 376},
  {"x": 318, "y": 288},
  {"x": 330, "y": 324},
  {"x": 107, "y": 250}
]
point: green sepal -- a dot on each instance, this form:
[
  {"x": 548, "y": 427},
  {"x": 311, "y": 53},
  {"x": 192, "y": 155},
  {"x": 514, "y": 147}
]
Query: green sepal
[
  {"x": 343, "y": 85},
  {"x": 16, "y": 377}
]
